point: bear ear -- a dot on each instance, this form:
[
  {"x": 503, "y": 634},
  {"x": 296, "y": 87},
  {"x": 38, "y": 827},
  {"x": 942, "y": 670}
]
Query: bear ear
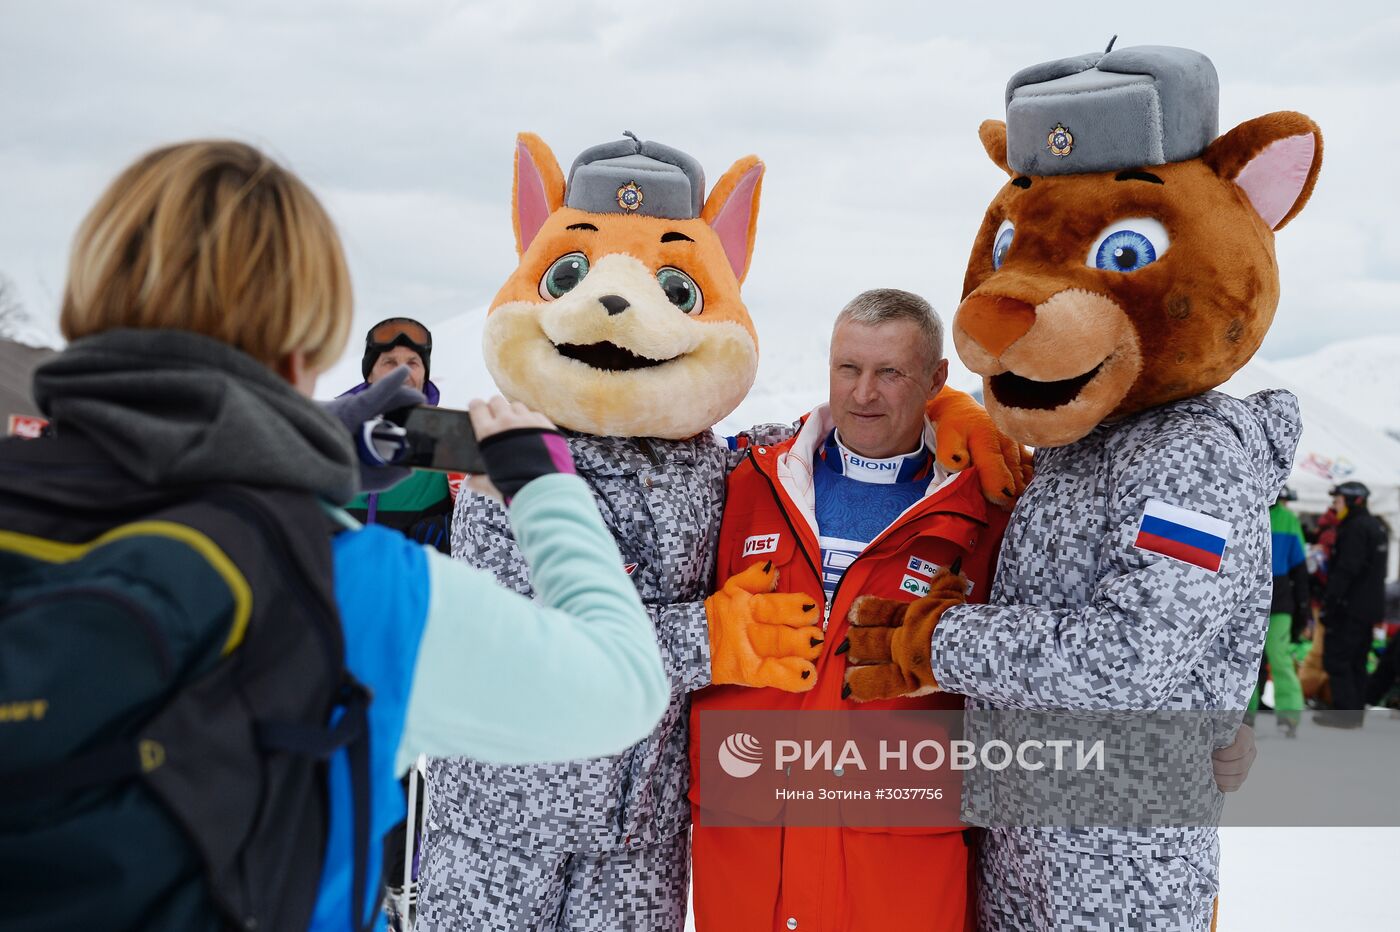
[
  {"x": 731, "y": 210},
  {"x": 993, "y": 136},
  {"x": 1274, "y": 159},
  {"x": 539, "y": 188}
]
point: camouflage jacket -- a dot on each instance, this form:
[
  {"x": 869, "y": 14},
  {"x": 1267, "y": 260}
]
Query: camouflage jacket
[
  {"x": 1090, "y": 612},
  {"x": 662, "y": 500}
]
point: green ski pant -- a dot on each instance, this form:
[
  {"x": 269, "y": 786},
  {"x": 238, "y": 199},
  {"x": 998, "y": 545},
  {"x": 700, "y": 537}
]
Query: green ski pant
[{"x": 1278, "y": 643}]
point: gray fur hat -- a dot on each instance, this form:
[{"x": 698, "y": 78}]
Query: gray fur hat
[
  {"x": 1144, "y": 105},
  {"x": 635, "y": 177}
]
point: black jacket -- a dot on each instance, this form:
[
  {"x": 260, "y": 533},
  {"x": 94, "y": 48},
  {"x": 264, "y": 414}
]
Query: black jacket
[{"x": 1356, "y": 574}]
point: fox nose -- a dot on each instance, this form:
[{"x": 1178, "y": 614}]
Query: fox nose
[
  {"x": 995, "y": 322},
  {"x": 614, "y": 303}
]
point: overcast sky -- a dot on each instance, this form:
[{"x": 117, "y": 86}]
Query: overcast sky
[{"x": 401, "y": 116}]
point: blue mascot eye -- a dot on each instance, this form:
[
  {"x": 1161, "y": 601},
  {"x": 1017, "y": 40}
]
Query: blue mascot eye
[
  {"x": 1125, "y": 251},
  {"x": 1129, "y": 245},
  {"x": 1005, "y": 234}
]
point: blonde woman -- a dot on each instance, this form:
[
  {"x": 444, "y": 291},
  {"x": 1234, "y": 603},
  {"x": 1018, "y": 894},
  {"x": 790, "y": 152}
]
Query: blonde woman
[{"x": 209, "y": 676}]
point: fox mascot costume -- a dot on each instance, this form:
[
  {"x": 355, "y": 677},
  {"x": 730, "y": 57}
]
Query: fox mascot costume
[
  {"x": 624, "y": 324},
  {"x": 1125, "y": 269}
]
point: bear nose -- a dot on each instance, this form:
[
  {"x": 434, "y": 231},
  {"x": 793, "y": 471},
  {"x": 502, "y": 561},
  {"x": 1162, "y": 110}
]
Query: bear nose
[
  {"x": 995, "y": 322},
  {"x": 614, "y": 303}
]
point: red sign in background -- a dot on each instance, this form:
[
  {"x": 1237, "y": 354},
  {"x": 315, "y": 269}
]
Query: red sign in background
[{"x": 26, "y": 425}]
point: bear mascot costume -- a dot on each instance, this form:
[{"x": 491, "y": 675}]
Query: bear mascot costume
[
  {"x": 1125, "y": 269},
  {"x": 623, "y": 323}
]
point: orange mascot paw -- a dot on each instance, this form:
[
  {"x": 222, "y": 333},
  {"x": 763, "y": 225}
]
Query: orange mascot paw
[
  {"x": 759, "y": 637},
  {"x": 889, "y": 640},
  {"x": 967, "y": 436}
]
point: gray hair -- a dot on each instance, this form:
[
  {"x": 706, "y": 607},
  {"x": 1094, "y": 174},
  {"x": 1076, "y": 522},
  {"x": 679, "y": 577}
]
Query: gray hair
[{"x": 882, "y": 305}]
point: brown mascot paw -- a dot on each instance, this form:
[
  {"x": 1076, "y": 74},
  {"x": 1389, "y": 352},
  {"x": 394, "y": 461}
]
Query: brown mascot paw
[
  {"x": 888, "y": 645},
  {"x": 759, "y": 637}
]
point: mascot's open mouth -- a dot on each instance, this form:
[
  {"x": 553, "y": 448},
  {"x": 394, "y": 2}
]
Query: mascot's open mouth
[
  {"x": 607, "y": 356},
  {"x": 1016, "y": 391}
]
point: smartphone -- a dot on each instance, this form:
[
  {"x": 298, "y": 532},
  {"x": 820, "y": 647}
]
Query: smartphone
[{"x": 440, "y": 439}]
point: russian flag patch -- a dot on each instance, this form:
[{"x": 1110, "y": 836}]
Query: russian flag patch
[{"x": 1181, "y": 534}]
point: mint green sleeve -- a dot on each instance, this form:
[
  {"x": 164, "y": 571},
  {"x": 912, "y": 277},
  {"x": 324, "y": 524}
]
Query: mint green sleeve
[{"x": 574, "y": 673}]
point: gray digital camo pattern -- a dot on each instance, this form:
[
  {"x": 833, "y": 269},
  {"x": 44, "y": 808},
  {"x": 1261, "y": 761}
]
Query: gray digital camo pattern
[
  {"x": 497, "y": 888},
  {"x": 1025, "y": 887},
  {"x": 1080, "y": 618},
  {"x": 662, "y": 500}
]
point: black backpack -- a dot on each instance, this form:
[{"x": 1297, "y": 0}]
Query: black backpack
[{"x": 169, "y": 661}]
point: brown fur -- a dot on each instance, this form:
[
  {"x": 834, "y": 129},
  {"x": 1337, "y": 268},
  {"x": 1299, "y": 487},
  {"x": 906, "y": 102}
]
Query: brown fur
[
  {"x": 889, "y": 641},
  {"x": 1178, "y": 327}
]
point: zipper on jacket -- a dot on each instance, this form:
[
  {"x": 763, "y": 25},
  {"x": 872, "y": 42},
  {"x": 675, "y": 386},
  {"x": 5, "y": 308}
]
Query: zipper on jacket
[
  {"x": 792, "y": 529},
  {"x": 880, "y": 538}
]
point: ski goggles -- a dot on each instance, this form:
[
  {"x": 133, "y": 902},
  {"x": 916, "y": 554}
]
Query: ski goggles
[{"x": 399, "y": 331}]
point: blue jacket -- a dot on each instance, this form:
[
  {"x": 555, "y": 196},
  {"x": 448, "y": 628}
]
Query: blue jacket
[{"x": 459, "y": 665}]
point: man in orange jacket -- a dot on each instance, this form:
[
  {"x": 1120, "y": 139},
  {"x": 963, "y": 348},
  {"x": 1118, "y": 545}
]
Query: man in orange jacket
[{"x": 853, "y": 504}]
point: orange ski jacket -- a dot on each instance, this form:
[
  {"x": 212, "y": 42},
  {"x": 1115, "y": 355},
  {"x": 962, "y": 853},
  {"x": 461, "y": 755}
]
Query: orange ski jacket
[{"x": 834, "y": 879}]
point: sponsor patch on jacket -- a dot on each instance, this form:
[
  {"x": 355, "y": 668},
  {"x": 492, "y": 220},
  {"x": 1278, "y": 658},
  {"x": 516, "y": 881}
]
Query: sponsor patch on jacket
[
  {"x": 923, "y": 567},
  {"x": 760, "y": 543},
  {"x": 915, "y": 585},
  {"x": 630, "y": 568},
  {"x": 1182, "y": 534},
  {"x": 921, "y": 587}
]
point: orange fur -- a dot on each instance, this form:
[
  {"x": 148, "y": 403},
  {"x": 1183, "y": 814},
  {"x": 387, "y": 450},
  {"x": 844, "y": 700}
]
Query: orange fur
[
  {"x": 640, "y": 238},
  {"x": 707, "y": 357},
  {"x": 530, "y": 146}
]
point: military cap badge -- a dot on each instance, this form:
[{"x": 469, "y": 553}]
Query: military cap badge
[
  {"x": 1060, "y": 141},
  {"x": 629, "y": 196}
]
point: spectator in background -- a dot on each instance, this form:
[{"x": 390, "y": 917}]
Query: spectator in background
[
  {"x": 1387, "y": 672},
  {"x": 1353, "y": 603},
  {"x": 421, "y": 505},
  {"x": 1288, "y": 611},
  {"x": 1312, "y": 676}
]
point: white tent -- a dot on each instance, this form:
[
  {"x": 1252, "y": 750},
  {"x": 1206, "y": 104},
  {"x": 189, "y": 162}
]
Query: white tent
[{"x": 1335, "y": 446}]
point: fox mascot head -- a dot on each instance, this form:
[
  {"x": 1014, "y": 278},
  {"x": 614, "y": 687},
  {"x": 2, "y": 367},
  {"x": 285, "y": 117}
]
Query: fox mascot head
[
  {"x": 624, "y": 316},
  {"x": 1095, "y": 290}
]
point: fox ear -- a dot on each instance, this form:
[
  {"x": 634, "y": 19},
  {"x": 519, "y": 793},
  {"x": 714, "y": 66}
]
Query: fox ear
[
  {"x": 993, "y": 136},
  {"x": 1274, "y": 159},
  {"x": 732, "y": 211},
  {"x": 539, "y": 188}
]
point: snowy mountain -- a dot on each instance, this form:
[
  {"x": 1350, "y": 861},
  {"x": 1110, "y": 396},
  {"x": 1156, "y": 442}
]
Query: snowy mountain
[{"x": 1360, "y": 376}]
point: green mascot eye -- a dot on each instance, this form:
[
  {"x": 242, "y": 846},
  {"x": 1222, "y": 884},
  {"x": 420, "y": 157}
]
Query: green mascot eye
[
  {"x": 681, "y": 290},
  {"x": 563, "y": 275}
]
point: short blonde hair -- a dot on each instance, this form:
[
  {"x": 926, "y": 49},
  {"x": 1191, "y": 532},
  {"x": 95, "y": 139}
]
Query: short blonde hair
[{"x": 215, "y": 238}]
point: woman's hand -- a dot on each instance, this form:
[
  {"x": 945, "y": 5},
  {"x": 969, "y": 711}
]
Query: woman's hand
[{"x": 496, "y": 416}]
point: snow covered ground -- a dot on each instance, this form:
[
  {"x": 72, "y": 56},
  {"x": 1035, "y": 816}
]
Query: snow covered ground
[
  {"x": 1313, "y": 878},
  {"x": 1316, "y": 879}
]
